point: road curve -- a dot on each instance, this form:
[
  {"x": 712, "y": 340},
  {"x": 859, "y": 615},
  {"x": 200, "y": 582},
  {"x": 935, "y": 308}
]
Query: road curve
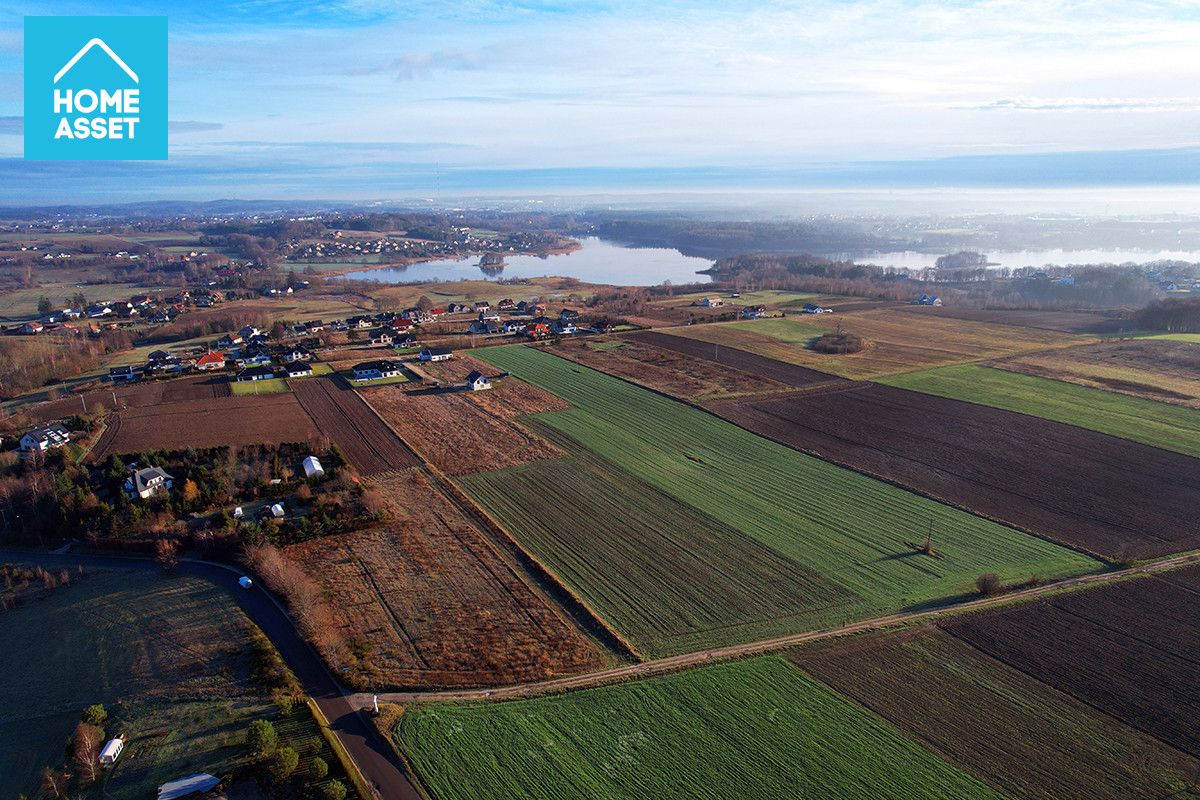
[{"x": 376, "y": 759}]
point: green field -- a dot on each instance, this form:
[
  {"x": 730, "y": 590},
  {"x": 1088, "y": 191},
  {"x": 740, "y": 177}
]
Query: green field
[
  {"x": 1162, "y": 425},
  {"x": 997, "y": 723},
  {"x": 168, "y": 656},
  {"x": 670, "y": 578},
  {"x": 851, "y": 530},
  {"x": 267, "y": 386},
  {"x": 754, "y": 729}
]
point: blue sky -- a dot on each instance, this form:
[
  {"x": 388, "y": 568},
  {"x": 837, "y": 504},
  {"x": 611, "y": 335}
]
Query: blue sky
[{"x": 360, "y": 99}]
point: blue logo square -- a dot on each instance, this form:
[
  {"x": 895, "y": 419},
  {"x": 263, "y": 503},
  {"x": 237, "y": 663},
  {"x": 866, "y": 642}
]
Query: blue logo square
[{"x": 95, "y": 88}]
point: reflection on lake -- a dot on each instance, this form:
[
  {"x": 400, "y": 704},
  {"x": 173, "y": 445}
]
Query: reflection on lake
[
  {"x": 1025, "y": 258},
  {"x": 598, "y": 261}
]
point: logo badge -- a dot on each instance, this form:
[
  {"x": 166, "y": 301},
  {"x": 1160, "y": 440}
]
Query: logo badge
[{"x": 95, "y": 88}]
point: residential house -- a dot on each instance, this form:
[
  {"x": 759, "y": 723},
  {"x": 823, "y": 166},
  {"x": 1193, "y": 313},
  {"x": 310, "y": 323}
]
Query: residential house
[
  {"x": 145, "y": 483},
  {"x": 297, "y": 369},
  {"x": 506, "y": 304},
  {"x": 229, "y": 340},
  {"x": 402, "y": 324},
  {"x": 711, "y": 301},
  {"x": 359, "y": 323},
  {"x": 927, "y": 300},
  {"x": 47, "y": 437},
  {"x": 477, "y": 381},
  {"x": 537, "y": 330},
  {"x": 753, "y": 312},
  {"x": 436, "y": 354},
  {"x": 296, "y": 354},
  {"x": 257, "y": 372},
  {"x": 811, "y": 308},
  {"x": 382, "y": 338},
  {"x": 568, "y": 315},
  {"x": 488, "y": 327},
  {"x": 32, "y": 328},
  {"x": 158, "y": 356},
  {"x": 211, "y": 361},
  {"x": 564, "y": 327},
  {"x": 122, "y": 374},
  {"x": 373, "y": 370}
]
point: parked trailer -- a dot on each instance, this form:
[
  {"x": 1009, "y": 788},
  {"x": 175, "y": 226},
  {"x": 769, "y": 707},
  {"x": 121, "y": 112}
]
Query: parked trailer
[{"x": 112, "y": 751}]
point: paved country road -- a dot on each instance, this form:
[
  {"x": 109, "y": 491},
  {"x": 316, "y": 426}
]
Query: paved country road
[
  {"x": 374, "y": 756},
  {"x": 376, "y": 759}
]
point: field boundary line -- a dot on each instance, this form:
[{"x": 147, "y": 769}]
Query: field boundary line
[
  {"x": 677, "y": 663},
  {"x": 473, "y": 511},
  {"x": 865, "y": 473}
]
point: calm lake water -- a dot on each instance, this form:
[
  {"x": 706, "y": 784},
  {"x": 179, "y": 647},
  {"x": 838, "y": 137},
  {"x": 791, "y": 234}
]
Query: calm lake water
[
  {"x": 1027, "y": 258},
  {"x": 599, "y": 261}
]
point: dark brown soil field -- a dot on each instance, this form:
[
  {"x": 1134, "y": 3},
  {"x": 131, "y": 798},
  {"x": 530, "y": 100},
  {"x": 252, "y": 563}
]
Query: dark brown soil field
[
  {"x": 664, "y": 370},
  {"x": 760, "y": 366},
  {"x": 258, "y": 419},
  {"x": 1003, "y": 726},
  {"x": 150, "y": 393},
  {"x": 1065, "y": 321},
  {"x": 1099, "y": 493},
  {"x": 366, "y": 442},
  {"x": 1128, "y": 650}
]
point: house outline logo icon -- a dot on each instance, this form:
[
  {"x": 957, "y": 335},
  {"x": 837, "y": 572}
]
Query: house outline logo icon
[
  {"x": 83, "y": 51},
  {"x": 95, "y": 88}
]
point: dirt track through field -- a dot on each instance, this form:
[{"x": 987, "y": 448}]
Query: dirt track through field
[
  {"x": 1098, "y": 493},
  {"x": 770, "y": 368},
  {"x": 663, "y": 666},
  {"x": 364, "y": 439}
]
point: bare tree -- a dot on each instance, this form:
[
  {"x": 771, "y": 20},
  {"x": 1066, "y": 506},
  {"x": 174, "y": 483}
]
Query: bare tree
[
  {"x": 54, "y": 782},
  {"x": 85, "y": 751},
  {"x": 166, "y": 554}
]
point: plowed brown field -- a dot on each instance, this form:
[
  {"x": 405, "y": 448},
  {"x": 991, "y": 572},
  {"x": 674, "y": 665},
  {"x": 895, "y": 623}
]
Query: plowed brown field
[{"x": 337, "y": 410}]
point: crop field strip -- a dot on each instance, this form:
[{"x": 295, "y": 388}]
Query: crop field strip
[
  {"x": 1092, "y": 491},
  {"x": 1153, "y": 369},
  {"x": 1017, "y": 734},
  {"x": 896, "y": 341},
  {"x": 368, "y": 444},
  {"x": 669, "y": 371},
  {"x": 215, "y": 422},
  {"x": 1063, "y": 321},
  {"x": 1156, "y": 424},
  {"x": 1128, "y": 650},
  {"x": 769, "y": 368},
  {"x": 669, "y": 577},
  {"x": 756, "y": 728},
  {"x": 852, "y": 530},
  {"x": 149, "y": 393}
]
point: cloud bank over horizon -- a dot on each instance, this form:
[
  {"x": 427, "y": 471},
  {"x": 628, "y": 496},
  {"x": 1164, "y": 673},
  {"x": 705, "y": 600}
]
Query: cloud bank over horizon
[{"x": 362, "y": 98}]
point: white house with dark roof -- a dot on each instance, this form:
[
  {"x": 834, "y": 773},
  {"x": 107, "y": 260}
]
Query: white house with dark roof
[
  {"x": 47, "y": 437},
  {"x": 147, "y": 482}
]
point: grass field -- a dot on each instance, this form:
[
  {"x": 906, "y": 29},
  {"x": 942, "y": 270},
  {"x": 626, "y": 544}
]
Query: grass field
[
  {"x": 267, "y": 386},
  {"x": 1157, "y": 424},
  {"x": 670, "y": 578},
  {"x": 169, "y": 657},
  {"x": 997, "y": 723},
  {"x": 850, "y": 529},
  {"x": 897, "y": 341},
  {"x": 757, "y": 729}
]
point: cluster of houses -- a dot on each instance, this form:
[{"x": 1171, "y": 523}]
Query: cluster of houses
[{"x": 155, "y": 310}]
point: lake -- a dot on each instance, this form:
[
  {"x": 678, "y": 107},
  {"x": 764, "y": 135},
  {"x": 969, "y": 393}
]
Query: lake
[
  {"x": 1026, "y": 258},
  {"x": 598, "y": 261}
]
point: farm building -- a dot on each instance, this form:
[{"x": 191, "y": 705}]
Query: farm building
[
  {"x": 477, "y": 381},
  {"x": 44, "y": 438},
  {"x": 210, "y": 361},
  {"x": 297, "y": 369},
  {"x": 260, "y": 372},
  {"x": 191, "y": 786},
  {"x": 312, "y": 467},
  {"x": 437, "y": 354},
  {"x": 372, "y": 370},
  {"x": 145, "y": 483}
]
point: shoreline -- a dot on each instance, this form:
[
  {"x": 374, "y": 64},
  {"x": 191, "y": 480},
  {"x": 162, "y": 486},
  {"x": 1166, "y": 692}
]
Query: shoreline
[{"x": 408, "y": 262}]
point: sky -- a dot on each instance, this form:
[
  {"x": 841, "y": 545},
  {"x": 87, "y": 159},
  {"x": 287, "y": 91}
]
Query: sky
[{"x": 365, "y": 99}]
